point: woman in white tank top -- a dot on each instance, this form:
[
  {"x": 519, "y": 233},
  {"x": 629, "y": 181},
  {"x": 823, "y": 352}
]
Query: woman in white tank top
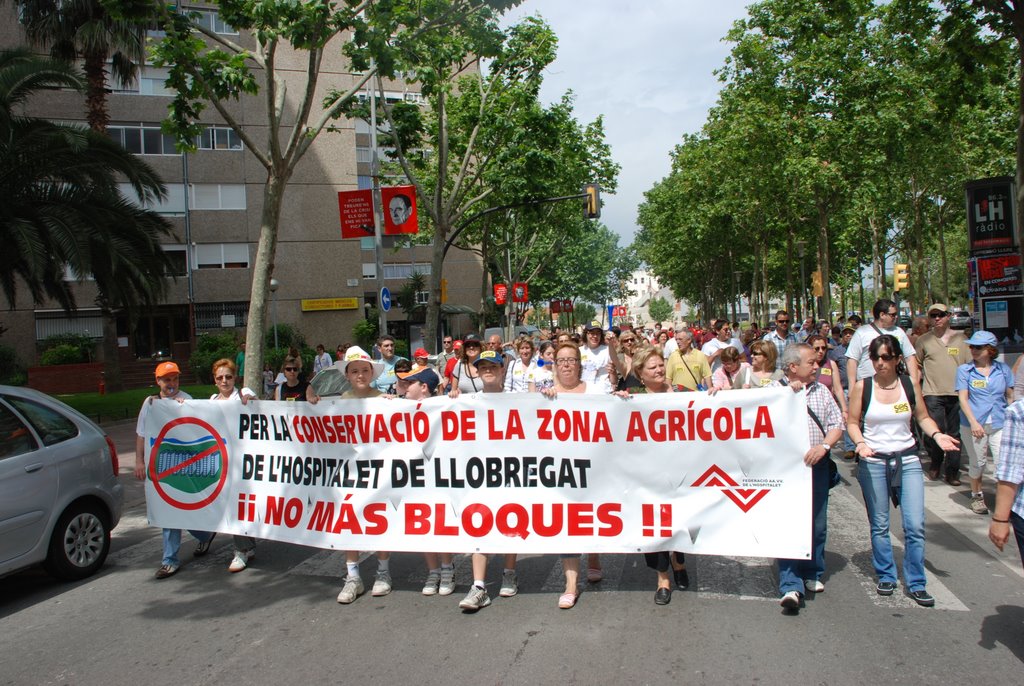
[{"x": 889, "y": 466}]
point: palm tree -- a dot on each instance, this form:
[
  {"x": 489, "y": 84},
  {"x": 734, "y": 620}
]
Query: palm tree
[
  {"x": 83, "y": 29},
  {"x": 63, "y": 210}
]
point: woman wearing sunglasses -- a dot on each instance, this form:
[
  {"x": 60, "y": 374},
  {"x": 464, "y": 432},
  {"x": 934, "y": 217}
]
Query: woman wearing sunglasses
[
  {"x": 224, "y": 374},
  {"x": 881, "y": 409},
  {"x": 828, "y": 370},
  {"x": 292, "y": 388}
]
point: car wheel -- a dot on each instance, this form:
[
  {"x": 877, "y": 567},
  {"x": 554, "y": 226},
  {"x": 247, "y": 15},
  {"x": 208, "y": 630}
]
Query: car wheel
[{"x": 80, "y": 542}]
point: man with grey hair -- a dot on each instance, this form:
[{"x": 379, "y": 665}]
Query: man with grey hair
[
  {"x": 824, "y": 428},
  {"x": 687, "y": 369}
]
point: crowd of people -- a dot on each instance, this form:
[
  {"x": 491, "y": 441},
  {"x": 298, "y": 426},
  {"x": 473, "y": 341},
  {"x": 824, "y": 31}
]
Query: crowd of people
[{"x": 875, "y": 394}]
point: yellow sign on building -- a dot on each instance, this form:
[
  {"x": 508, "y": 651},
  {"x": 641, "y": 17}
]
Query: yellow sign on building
[{"x": 322, "y": 304}]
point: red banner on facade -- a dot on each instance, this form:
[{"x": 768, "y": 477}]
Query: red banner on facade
[
  {"x": 500, "y": 293},
  {"x": 399, "y": 210},
  {"x": 520, "y": 292},
  {"x": 356, "y": 210}
]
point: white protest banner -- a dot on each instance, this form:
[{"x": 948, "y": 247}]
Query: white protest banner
[{"x": 493, "y": 473}]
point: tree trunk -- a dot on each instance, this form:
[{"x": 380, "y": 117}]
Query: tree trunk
[
  {"x": 263, "y": 269},
  {"x": 941, "y": 229},
  {"x": 877, "y": 266},
  {"x": 94, "y": 65},
  {"x": 433, "y": 323},
  {"x": 823, "y": 265},
  {"x": 789, "y": 274}
]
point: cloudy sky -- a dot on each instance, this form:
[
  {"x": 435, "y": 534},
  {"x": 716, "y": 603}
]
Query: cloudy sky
[{"x": 647, "y": 67}]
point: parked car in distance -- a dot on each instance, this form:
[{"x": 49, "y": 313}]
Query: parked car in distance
[
  {"x": 59, "y": 493},
  {"x": 960, "y": 319}
]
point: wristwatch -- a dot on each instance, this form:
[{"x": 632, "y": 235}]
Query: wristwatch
[{"x": 827, "y": 447}]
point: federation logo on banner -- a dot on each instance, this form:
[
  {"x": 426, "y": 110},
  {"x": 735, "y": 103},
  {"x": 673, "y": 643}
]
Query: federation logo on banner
[
  {"x": 745, "y": 498},
  {"x": 188, "y": 464}
]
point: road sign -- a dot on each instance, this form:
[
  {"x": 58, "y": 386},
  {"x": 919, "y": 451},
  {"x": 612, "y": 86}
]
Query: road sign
[{"x": 385, "y": 299}]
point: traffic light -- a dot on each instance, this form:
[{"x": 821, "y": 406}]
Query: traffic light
[
  {"x": 901, "y": 277},
  {"x": 444, "y": 290},
  {"x": 593, "y": 208},
  {"x": 817, "y": 290}
]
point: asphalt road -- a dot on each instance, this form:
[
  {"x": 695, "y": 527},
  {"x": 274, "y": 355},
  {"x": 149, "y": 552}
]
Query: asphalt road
[{"x": 278, "y": 622}]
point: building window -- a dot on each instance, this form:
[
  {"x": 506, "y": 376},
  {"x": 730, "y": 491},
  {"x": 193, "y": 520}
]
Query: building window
[
  {"x": 210, "y": 20},
  {"x": 364, "y": 182},
  {"x": 369, "y": 270},
  {"x": 422, "y": 297},
  {"x": 150, "y": 81},
  {"x": 404, "y": 271},
  {"x": 173, "y": 204},
  {"x": 86, "y": 322},
  {"x": 218, "y": 138},
  {"x": 221, "y": 256},
  {"x": 178, "y": 257},
  {"x": 367, "y": 243},
  {"x": 217, "y": 196},
  {"x": 216, "y": 315},
  {"x": 142, "y": 139}
]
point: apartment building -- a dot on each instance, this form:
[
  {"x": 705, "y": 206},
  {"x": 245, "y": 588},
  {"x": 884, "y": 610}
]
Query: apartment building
[{"x": 215, "y": 200}]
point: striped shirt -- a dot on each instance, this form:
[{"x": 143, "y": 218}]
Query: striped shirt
[{"x": 1011, "y": 453}]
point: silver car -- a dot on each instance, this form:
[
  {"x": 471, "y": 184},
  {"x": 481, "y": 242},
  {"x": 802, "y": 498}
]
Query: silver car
[{"x": 59, "y": 493}]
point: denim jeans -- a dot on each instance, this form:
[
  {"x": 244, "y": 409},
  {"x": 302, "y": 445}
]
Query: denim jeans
[
  {"x": 792, "y": 573},
  {"x": 172, "y": 542},
  {"x": 876, "y": 500}
]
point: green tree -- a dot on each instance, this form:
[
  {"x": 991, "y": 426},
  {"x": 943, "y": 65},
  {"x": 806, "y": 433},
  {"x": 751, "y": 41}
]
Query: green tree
[
  {"x": 84, "y": 30},
  {"x": 62, "y": 207},
  {"x": 260, "y": 69},
  {"x": 471, "y": 124},
  {"x": 659, "y": 309}
]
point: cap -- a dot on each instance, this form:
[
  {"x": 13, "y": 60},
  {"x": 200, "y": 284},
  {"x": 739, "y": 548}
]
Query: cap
[
  {"x": 165, "y": 368},
  {"x": 357, "y": 354},
  {"x": 940, "y": 307},
  {"x": 472, "y": 338},
  {"x": 981, "y": 337},
  {"x": 457, "y": 345},
  {"x": 420, "y": 352},
  {"x": 594, "y": 325},
  {"x": 848, "y": 328},
  {"x": 490, "y": 356},
  {"x": 422, "y": 375}
]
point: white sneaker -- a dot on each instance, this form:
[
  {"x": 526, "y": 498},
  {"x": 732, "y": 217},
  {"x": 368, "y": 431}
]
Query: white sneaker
[
  {"x": 814, "y": 586},
  {"x": 475, "y": 599},
  {"x": 241, "y": 560},
  {"x": 382, "y": 584},
  {"x": 352, "y": 589},
  {"x": 430, "y": 587},
  {"x": 447, "y": 585},
  {"x": 790, "y": 601},
  {"x": 509, "y": 584}
]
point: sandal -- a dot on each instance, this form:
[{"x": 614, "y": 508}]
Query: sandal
[
  {"x": 594, "y": 574},
  {"x": 567, "y": 601}
]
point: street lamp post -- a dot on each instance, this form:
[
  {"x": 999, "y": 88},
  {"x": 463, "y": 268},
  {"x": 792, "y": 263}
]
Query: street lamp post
[
  {"x": 274, "y": 283},
  {"x": 800, "y": 245}
]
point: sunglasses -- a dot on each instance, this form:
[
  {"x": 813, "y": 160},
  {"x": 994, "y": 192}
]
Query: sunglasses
[
  {"x": 885, "y": 358},
  {"x": 226, "y": 377},
  {"x": 782, "y": 321},
  {"x": 291, "y": 369},
  {"x": 821, "y": 347},
  {"x": 939, "y": 315},
  {"x": 627, "y": 340}
]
